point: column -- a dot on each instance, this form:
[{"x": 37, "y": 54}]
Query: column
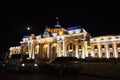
[
  {"x": 86, "y": 52},
  {"x": 99, "y": 50},
  {"x": 58, "y": 49},
  {"x": 83, "y": 52},
  {"x": 114, "y": 48},
  {"x": 76, "y": 55},
  {"x": 33, "y": 51},
  {"x": 106, "y": 46},
  {"x": 39, "y": 51},
  {"x": 30, "y": 50},
  {"x": 64, "y": 54},
  {"x": 48, "y": 50}
]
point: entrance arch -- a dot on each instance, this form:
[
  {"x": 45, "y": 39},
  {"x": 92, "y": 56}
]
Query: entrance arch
[
  {"x": 111, "y": 54},
  {"x": 53, "y": 51},
  {"x": 71, "y": 49},
  {"x": 71, "y": 54},
  {"x": 118, "y": 54},
  {"x": 89, "y": 55},
  {"x": 96, "y": 55},
  {"x": 44, "y": 52},
  {"x": 103, "y": 55}
]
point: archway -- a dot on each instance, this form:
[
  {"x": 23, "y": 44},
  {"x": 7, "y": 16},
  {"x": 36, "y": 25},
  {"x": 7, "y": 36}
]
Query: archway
[
  {"x": 80, "y": 54},
  {"x": 111, "y": 55},
  {"x": 54, "y": 52},
  {"x": 71, "y": 49},
  {"x": 96, "y": 55},
  {"x": 71, "y": 54},
  {"x": 89, "y": 55},
  {"x": 118, "y": 54},
  {"x": 44, "y": 52},
  {"x": 103, "y": 55}
]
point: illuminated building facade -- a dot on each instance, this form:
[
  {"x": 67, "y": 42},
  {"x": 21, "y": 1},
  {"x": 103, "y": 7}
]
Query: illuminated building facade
[
  {"x": 105, "y": 46},
  {"x": 55, "y": 42},
  {"x": 73, "y": 41}
]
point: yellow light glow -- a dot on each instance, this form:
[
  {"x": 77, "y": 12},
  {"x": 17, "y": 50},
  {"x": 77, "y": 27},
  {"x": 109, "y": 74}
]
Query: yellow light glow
[
  {"x": 54, "y": 44},
  {"x": 23, "y": 64},
  {"x": 45, "y": 46},
  {"x": 61, "y": 31},
  {"x": 51, "y": 39},
  {"x": 42, "y": 41}
]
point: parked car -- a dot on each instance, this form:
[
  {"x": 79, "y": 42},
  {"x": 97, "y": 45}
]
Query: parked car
[
  {"x": 2, "y": 64},
  {"x": 43, "y": 63},
  {"x": 63, "y": 64},
  {"x": 29, "y": 65},
  {"x": 13, "y": 63}
]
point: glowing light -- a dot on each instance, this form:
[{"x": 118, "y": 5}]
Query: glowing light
[
  {"x": 28, "y": 58},
  {"x": 35, "y": 65},
  {"x": 28, "y": 28},
  {"x": 60, "y": 32},
  {"x": 89, "y": 47},
  {"x": 23, "y": 64}
]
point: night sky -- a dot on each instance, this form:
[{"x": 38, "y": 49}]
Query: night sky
[{"x": 97, "y": 18}]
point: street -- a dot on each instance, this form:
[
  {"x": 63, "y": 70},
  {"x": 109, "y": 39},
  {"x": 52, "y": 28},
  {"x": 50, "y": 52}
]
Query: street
[
  {"x": 91, "y": 71},
  {"x": 51, "y": 76}
]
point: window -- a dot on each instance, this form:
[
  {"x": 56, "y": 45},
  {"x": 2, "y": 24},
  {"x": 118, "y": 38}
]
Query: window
[
  {"x": 118, "y": 45},
  {"x": 110, "y": 45},
  {"x": 103, "y": 46},
  {"x": 79, "y": 46},
  {"x": 95, "y": 46}
]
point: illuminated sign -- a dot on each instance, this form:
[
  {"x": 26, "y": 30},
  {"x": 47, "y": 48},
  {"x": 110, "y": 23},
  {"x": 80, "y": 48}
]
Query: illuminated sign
[
  {"x": 89, "y": 47},
  {"x": 28, "y": 58},
  {"x": 73, "y": 28}
]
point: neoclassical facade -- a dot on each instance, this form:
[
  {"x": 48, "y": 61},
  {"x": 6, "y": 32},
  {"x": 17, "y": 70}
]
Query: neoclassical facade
[
  {"x": 105, "y": 46},
  {"x": 73, "y": 41},
  {"x": 55, "y": 42}
]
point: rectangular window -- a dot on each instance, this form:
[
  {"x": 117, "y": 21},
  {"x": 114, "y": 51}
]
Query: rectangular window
[
  {"x": 110, "y": 45},
  {"x": 103, "y": 46},
  {"x": 95, "y": 47},
  {"x": 118, "y": 45}
]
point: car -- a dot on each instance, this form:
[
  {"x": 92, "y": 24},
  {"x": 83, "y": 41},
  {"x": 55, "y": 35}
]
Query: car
[
  {"x": 13, "y": 62},
  {"x": 62, "y": 64},
  {"x": 43, "y": 63},
  {"x": 2, "y": 64},
  {"x": 29, "y": 65}
]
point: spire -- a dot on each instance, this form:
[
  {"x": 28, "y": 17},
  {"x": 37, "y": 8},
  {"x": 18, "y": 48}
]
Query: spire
[{"x": 57, "y": 25}]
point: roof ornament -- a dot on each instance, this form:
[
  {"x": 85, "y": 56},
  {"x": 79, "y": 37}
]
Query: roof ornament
[{"x": 57, "y": 25}]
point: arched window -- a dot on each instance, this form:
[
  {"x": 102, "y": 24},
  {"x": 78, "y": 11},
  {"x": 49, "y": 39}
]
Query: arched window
[
  {"x": 118, "y": 54},
  {"x": 111, "y": 55},
  {"x": 103, "y": 55},
  {"x": 96, "y": 55},
  {"x": 110, "y": 45},
  {"x": 70, "y": 46},
  {"x": 89, "y": 55},
  {"x": 95, "y": 46},
  {"x": 118, "y": 45}
]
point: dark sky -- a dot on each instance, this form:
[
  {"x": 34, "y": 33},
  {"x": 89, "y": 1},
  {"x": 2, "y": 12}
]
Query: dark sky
[{"x": 97, "y": 18}]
